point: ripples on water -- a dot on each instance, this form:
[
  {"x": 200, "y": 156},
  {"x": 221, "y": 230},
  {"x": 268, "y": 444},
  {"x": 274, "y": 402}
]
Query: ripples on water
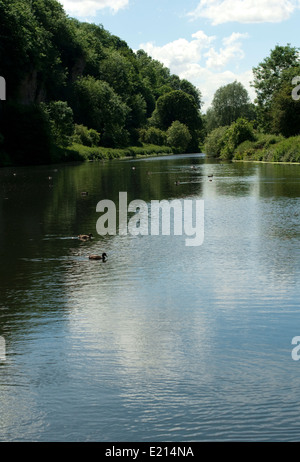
[{"x": 162, "y": 342}]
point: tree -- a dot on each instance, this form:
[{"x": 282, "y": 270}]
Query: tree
[
  {"x": 285, "y": 112},
  {"x": 97, "y": 106},
  {"x": 237, "y": 133},
  {"x": 85, "y": 136},
  {"x": 178, "y": 105},
  {"x": 178, "y": 136},
  {"x": 190, "y": 89},
  {"x": 210, "y": 120},
  {"x": 214, "y": 142},
  {"x": 230, "y": 102},
  {"x": 268, "y": 78},
  {"x": 61, "y": 122},
  {"x": 153, "y": 73},
  {"x": 154, "y": 135},
  {"x": 49, "y": 58},
  {"x": 136, "y": 117},
  {"x": 117, "y": 71}
]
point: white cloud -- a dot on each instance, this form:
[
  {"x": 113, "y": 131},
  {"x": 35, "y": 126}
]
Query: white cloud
[
  {"x": 208, "y": 81},
  {"x": 181, "y": 51},
  {"x": 245, "y": 11},
  {"x": 89, "y": 8},
  {"x": 201, "y": 63},
  {"x": 232, "y": 49}
]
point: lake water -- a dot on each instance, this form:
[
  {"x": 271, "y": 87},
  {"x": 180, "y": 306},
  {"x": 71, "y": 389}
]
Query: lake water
[{"x": 163, "y": 342}]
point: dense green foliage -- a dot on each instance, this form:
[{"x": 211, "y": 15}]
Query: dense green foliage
[
  {"x": 100, "y": 153},
  {"x": 214, "y": 142},
  {"x": 268, "y": 130},
  {"x": 86, "y": 137},
  {"x": 230, "y": 102},
  {"x": 74, "y": 88},
  {"x": 255, "y": 147},
  {"x": 272, "y": 77},
  {"x": 178, "y": 106},
  {"x": 285, "y": 111},
  {"x": 223, "y": 141},
  {"x": 178, "y": 136},
  {"x": 153, "y": 135},
  {"x": 237, "y": 133},
  {"x": 62, "y": 73},
  {"x": 270, "y": 148}
]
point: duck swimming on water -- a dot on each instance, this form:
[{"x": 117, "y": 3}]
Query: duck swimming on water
[
  {"x": 85, "y": 237},
  {"x": 102, "y": 257}
]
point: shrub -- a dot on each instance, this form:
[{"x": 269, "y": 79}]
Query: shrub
[
  {"x": 85, "y": 136},
  {"x": 61, "y": 121},
  {"x": 239, "y": 131},
  {"x": 178, "y": 136},
  {"x": 102, "y": 153},
  {"x": 287, "y": 150},
  {"x": 154, "y": 136},
  {"x": 244, "y": 151},
  {"x": 215, "y": 141}
]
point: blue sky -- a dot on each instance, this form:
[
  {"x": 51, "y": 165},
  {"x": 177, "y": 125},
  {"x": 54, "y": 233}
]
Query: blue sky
[{"x": 209, "y": 42}]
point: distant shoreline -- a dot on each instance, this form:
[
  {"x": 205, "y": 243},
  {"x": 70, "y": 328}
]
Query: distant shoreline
[{"x": 266, "y": 162}]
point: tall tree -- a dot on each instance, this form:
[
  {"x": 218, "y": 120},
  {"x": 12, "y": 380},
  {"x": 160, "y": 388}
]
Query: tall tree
[
  {"x": 230, "y": 102},
  {"x": 268, "y": 79},
  {"x": 60, "y": 66},
  {"x": 97, "y": 106},
  {"x": 285, "y": 111},
  {"x": 178, "y": 105}
]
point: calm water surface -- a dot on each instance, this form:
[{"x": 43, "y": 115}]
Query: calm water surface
[{"x": 163, "y": 342}]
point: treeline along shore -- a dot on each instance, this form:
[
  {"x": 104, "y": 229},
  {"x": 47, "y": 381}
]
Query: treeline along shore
[
  {"x": 72, "y": 91},
  {"x": 267, "y": 130}
]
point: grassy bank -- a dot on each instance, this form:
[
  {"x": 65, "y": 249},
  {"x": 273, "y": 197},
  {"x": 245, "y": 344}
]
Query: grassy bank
[
  {"x": 99, "y": 153},
  {"x": 269, "y": 148},
  {"x": 80, "y": 153},
  {"x": 240, "y": 142}
]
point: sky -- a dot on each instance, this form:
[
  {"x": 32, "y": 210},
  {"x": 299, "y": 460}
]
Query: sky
[{"x": 209, "y": 42}]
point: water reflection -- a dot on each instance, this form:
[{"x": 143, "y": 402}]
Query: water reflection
[{"x": 161, "y": 342}]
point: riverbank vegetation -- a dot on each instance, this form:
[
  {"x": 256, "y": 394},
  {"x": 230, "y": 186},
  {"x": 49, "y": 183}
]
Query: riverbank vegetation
[
  {"x": 75, "y": 91},
  {"x": 80, "y": 152},
  {"x": 268, "y": 130}
]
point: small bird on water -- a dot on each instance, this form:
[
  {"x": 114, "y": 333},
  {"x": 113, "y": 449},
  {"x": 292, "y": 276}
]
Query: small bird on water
[
  {"x": 85, "y": 237},
  {"x": 102, "y": 257}
]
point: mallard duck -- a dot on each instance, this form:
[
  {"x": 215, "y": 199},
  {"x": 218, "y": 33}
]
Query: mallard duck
[
  {"x": 98, "y": 257},
  {"x": 85, "y": 237},
  {"x": 210, "y": 176}
]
